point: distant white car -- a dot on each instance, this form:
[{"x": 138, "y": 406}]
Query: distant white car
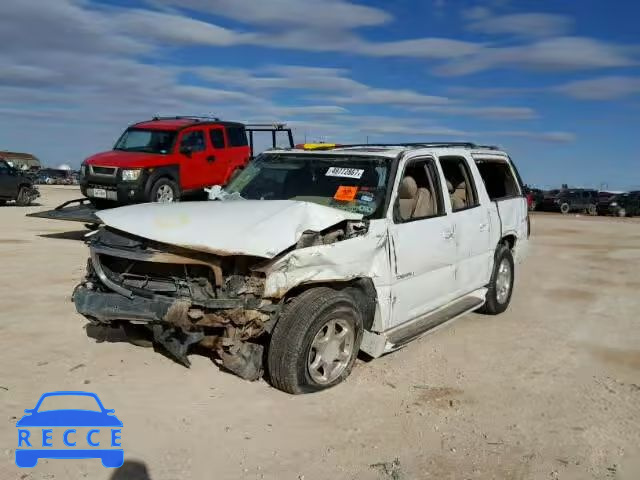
[{"x": 308, "y": 257}]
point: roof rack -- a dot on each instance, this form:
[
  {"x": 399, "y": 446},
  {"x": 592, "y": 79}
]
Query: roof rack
[
  {"x": 422, "y": 145},
  {"x": 187, "y": 117}
]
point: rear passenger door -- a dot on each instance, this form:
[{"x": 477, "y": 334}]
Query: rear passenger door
[
  {"x": 471, "y": 223},
  {"x": 218, "y": 158},
  {"x": 238, "y": 149},
  {"x": 503, "y": 186},
  {"x": 423, "y": 249}
]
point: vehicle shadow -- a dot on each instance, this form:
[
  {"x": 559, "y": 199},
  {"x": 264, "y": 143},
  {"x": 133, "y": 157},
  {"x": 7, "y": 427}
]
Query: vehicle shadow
[
  {"x": 131, "y": 470},
  {"x": 13, "y": 204},
  {"x": 143, "y": 338},
  {"x": 71, "y": 235}
]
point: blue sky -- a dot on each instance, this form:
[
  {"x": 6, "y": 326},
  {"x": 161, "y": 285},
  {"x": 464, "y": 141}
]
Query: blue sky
[{"x": 555, "y": 83}]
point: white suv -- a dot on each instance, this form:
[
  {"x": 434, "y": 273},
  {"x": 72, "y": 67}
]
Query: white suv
[{"x": 308, "y": 257}]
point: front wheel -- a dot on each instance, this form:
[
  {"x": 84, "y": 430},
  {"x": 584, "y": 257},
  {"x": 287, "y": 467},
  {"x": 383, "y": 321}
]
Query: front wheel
[
  {"x": 622, "y": 212},
  {"x": 592, "y": 210},
  {"x": 164, "y": 190},
  {"x": 316, "y": 341},
  {"x": 23, "y": 199},
  {"x": 565, "y": 208},
  {"x": 501, "y": 285}
]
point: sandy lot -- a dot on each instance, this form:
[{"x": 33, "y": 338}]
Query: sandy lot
[{"x": 550, "y": 389}]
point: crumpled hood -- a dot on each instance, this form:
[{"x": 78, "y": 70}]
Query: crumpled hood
[{"x": 261, "y": 228}]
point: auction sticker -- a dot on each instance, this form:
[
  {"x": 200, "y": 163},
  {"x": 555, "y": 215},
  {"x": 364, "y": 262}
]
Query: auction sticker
[
  {"x": 344, "y": 172},
  {"x": 345, "y": 194}
]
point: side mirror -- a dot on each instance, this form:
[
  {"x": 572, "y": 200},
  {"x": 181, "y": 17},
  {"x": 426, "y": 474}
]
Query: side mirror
[
  {"x": 28, "y": 410},
  {"x": 185, "y": 150},
  {"x": 109, "y": 411}
]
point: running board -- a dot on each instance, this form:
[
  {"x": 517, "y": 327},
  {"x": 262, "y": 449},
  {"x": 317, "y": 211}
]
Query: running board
[{"x": 403, "y": 334}]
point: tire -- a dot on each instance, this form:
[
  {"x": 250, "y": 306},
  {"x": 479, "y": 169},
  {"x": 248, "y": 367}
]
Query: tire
[
  {"x": 23, "y": 199},
  {"x": 622, "y": 212},
  {"x": 495, "y": 302},
  {"x": 565, "y": 208},
  {"x": 592, "y": 210},
  {"x": 2, "y": 202},
  {"x": 315, "y": 314},
  {"x": 164, "y": 190}
]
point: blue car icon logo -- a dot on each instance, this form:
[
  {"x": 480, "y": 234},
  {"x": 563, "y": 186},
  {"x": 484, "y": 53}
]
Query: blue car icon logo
[{"x": 84, "y": 433}]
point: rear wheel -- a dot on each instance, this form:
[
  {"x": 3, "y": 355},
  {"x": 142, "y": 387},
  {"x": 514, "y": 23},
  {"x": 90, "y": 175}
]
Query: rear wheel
[
  {"x": 565, "y": 208},
  {"x": 592, "y": 210},
  {"x": 501, "y": 285},
  {"x": 2, "y": 202},
  {"x": 622, "y": 212},
  {"x": 165, "y": 190},
  {"x": 315, "y": 343},
  {"x": 23, "y": 199}
]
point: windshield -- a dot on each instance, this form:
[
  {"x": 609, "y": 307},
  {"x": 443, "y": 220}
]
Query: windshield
[
  {"x": 149, "y": 141},
  {"x": 356, "y": 184}
]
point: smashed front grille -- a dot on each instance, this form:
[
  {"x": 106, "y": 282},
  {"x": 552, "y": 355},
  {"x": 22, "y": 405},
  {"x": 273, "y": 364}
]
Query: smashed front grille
[{"x": 138, "y": 264}]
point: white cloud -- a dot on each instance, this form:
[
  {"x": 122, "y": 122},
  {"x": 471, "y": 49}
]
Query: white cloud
[
  {"x": 435, "y": 48},
  {"x": 281, "y": 14},
  {"x": 602, "y": 88},
  {"x": 518, "y": 24},
  {"x": 170, "y": 28},
  {"x": 491, "y": 112},
  {"x": 555, "y": 54}
]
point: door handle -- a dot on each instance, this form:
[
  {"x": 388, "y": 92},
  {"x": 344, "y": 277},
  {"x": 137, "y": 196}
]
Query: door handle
[
  {"x": 448, "y": 234},
  {"x": 211, "y": 158},
  {"x": 484, "y": 227}
]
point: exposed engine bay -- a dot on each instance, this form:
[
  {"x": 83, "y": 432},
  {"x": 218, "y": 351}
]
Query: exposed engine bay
[{"x": 183, "y": 297}]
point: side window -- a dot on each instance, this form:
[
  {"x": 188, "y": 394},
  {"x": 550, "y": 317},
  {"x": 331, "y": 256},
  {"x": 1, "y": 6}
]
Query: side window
[
  {"x": 462, "y": 189},
  {"x": 237, "y": 136},
  {"x": 4, "y": 168},
  {"x": 217, "y": 138},
  {"x": 194, "y": 140},
  {"x": 419, "y": 193}
]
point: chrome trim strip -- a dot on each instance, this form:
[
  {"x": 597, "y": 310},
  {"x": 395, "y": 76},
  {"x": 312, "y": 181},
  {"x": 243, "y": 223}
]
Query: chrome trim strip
[{"x": 95, "y": 261}]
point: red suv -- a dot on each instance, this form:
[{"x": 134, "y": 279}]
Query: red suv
[{"x": 166, "y": 158}]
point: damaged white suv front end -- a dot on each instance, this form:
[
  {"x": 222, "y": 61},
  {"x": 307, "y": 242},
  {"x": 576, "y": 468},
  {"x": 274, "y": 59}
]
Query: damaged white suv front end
[{"x": 308, "y": 258}]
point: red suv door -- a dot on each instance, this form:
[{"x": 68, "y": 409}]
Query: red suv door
[
  {"x": 238, "y": 148},
  {"x": 193, "y": 151},
  {"x": 220, "y": 157}
]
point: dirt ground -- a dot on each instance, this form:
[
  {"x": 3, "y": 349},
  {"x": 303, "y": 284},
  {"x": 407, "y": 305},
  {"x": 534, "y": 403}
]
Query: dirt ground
[{"x": 548, "y": 390}]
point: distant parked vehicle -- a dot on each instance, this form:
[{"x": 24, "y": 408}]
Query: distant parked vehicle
[
  {"x": 625, "y": 205},
  {"x": 604, "y": 201},
  {"x": 571, "y": 200},
  {"x": 535, "y": 196},
  {"x": 14, "y": 185}
]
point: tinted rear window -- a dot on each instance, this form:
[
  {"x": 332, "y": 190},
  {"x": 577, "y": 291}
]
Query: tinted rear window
[{"x": 237, "y": 136}]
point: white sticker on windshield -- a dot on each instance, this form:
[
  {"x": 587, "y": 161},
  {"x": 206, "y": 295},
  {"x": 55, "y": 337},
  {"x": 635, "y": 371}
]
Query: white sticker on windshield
[{"x": 344, "y": 172}]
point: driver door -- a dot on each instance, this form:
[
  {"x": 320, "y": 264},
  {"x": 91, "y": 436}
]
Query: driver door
[{"x": 194, "y": 167}]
